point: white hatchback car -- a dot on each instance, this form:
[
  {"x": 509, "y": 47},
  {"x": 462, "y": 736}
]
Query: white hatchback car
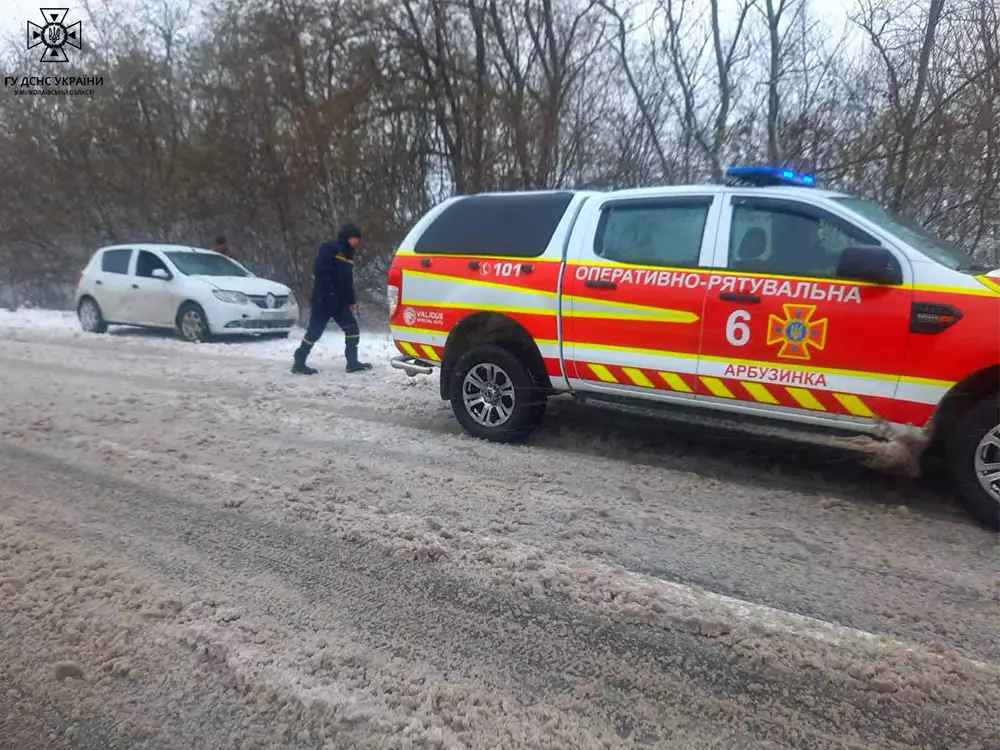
[{"x": 199, "y": 293}]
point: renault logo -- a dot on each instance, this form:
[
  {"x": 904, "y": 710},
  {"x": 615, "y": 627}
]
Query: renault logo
[{"x": 271, "y": 301}]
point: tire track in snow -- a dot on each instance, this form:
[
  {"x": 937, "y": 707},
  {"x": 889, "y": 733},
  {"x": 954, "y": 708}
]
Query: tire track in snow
[{"x": 640, "y": 681}]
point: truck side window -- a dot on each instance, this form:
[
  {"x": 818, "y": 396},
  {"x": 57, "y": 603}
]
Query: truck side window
[
  {"x": 653, "y": 233},
  {"x": 784, "y": 238}
]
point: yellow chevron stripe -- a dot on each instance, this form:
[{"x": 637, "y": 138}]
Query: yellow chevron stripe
[
  {"x": 717, "y": 387},
  {"x": 431, "y": 354},
  {"x": 675, "y": 382},
  {"x": 409, "y": 349},
  {"x": 638, "y": 377},
  {"x": 603, "y": 373},
  {"x": 759, "y": 392},
  {"x": 854, "y": 405},
  {"x": 758, "y": 363},
  {"x": 805, "y": 398}
]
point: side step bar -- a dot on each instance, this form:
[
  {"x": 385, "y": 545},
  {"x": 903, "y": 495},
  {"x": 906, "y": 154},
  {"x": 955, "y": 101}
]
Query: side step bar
[{"x": 411, "y": 365}]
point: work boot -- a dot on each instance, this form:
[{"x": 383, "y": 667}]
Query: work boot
[
  {"x": 351, "y": 353},
  {"x": 299, "y": 367}
]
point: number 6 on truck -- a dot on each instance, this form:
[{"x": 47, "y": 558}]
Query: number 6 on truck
[{"x": 737, "y": 330}]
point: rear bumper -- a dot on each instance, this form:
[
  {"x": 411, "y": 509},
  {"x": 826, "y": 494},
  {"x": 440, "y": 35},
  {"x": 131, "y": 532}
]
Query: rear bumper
[{"x": 411, "y": 365}]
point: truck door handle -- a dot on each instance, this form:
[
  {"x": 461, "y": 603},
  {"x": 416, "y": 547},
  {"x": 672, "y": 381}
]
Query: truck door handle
[
  {"x": 600, "y": 284},
  {"x": 425, "y": 263},
  {"x": 526, "y": 268},
  {"x": 473, "y": 265},
  {"x": 750, "y": 299}
]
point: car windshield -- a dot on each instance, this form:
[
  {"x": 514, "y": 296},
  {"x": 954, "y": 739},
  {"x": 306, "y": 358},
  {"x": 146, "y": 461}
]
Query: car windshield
[
  {"x": 205, "y": 264},
  {"x": 944, "y": 252}
]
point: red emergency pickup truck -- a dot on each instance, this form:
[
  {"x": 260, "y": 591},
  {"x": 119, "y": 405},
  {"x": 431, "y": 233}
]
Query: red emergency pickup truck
[{"x": 766, "y": 296}]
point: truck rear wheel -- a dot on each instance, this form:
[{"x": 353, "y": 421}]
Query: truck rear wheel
[
  {"x": 973, "y": 450},
  {"x": 495, "y": 396}
]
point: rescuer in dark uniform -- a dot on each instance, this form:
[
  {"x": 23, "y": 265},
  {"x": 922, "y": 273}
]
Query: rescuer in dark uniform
[{"x": 333, "y": 297}]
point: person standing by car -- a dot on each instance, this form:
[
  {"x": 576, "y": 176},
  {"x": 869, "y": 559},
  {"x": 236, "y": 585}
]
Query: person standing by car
[
  {"x": 222, "y": 247},
  {"x": 333, "y": 297}
]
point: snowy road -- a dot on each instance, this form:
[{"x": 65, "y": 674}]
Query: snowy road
[{"x": 199, "y": 551}]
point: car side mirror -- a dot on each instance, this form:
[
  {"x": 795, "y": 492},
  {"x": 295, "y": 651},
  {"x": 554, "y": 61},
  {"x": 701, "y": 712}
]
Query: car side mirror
[
  {"x": 159, "y": 273},
  {"x": 871, "y": 263}
]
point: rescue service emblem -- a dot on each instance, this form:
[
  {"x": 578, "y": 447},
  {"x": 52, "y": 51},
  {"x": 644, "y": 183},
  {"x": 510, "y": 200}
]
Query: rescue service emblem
[
  {"x": 797, "y": 331},
  {"x": 409, "y": 316}
]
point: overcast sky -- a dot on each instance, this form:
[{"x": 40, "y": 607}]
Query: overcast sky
[{"x": 15, "y": 14}]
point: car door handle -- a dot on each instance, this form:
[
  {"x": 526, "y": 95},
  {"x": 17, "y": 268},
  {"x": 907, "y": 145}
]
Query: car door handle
[
  {"x": 99, "y": 282},
  {"x": 135, "y": 286},
  {"x": 473, "y": 265},
  {"x": 527, "y": 268},
  {"x": 600, "y": 284},
  {"x": 425, "y": 263},
  {"x": 750, "y": 299}
]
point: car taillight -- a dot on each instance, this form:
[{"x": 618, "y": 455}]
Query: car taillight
[{"x": 394, "y": 291}]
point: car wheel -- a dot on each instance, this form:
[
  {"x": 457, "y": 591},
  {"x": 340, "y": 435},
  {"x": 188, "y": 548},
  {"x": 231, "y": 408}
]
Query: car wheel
[
  {"x": 90, "y": 316},
  {"x": 192, "y": 325},
  {"x": 974, "y": 461},
  {"x": 495, "y": 396}
]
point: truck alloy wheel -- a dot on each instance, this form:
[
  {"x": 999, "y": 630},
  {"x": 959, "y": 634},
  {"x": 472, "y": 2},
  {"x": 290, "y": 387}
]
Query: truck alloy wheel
[
  {"x": 987, "y": 463},
  {"x": 974, "y": 460},
  {"x": 488, "y": 394},
  {"x": 495, "y": 396}
]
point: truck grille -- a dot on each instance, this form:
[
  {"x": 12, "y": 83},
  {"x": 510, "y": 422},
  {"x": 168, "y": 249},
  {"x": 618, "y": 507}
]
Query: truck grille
[{"x": 261, "y": 301}]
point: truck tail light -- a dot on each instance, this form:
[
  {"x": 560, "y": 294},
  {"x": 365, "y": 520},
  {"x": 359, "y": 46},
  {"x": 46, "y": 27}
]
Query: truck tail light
[{"x": 395, "y": 289}]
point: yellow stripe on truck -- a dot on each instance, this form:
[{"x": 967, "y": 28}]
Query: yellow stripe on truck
[
  {"x": 717, "y": 387},
  {"x": 853, "y": 404},
  {"x": 638, "y": 377},
  {"x": 409, "y": 349},
  {"x": 603, "y": 373},
  {"x": 675, "y": 382},
  {"x": 759, "y": 393},
  {"x": 805, "y": 399}
]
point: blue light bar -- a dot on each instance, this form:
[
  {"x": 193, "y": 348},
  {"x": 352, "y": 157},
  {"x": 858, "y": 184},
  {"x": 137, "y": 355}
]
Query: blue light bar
[{"x": 761, "y": 176}]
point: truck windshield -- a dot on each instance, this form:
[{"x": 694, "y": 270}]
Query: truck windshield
[
  {"x": 205, "y": 264},
  {"x": 944, "y": 252}
]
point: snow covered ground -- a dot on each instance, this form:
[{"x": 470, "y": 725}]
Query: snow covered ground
[{"x": 198, "y": 549}]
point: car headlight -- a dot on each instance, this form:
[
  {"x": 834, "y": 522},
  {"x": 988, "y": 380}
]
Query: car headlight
[
  {"x": 292, "y": 302},
  {"x": 226, "y": 295}
]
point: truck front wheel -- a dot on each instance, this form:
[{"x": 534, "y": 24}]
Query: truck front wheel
[
  {"x": 973, "y": 450},
  {"x": 495, "y": 396}
]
